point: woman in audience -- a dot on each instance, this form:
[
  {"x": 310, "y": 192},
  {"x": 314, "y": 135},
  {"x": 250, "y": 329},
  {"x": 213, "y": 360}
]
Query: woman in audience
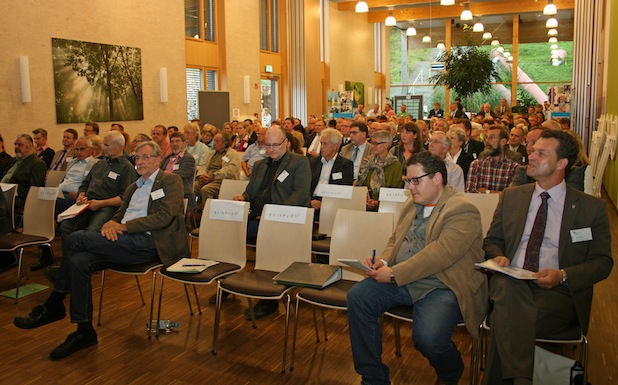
[
  {"x": 97, "y": 146},
  {"x": 381, "y": 169},
  {"x": 410, "y": 143},
  {"x": 137, "y": 140},
  {"x": 208, "y": 132},
  {"x": 458, "y": 138},
  {"x": 294, "y": 144}
]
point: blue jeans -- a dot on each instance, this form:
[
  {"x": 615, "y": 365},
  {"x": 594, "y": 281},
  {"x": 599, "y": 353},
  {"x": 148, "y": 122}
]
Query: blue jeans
[
  {"x": 88, "y": 220},
  {"x": 435, "y": 318},
  {"x": 86, "y": 252}
]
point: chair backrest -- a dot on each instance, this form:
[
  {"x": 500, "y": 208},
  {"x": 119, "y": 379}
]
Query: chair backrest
[
  {"x": 10, "y": 192},
  {"x": 54, "y": 177},
  {"x": 486, "y": 203},
  {"x": 39, "y": 215},
  {"x": 281, "y": 243},
  {"x": 231, "y": 187},
  {"x": 356, "y": 235},
  {"x": 391, "y": 207},
  {"x": 220, "y": 239},
  {"x": 329, "y": 207}
]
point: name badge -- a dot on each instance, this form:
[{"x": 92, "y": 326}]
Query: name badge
[
  {"x": 581, "y": 235},
  {"x": 337, "y": 175},
  {"x": 474, "y": 155},
  {"x": 262, "y": 151},
  {"x": 176, "y": 167},
  {"x": 245, "y": 145},
  {"x": 226, "y": 159},
  {"x": 112, "y": 175},
  {"x": 283, "y": 176},
  {"x": 286, "y": 214},
  {"x": 157, "y": 194},
  {"x": 68, "y": 159}
]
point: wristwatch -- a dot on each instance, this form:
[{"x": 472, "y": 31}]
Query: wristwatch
[
  {"x": 565, "y": 278},
  {"x": 393, "y": 278}
]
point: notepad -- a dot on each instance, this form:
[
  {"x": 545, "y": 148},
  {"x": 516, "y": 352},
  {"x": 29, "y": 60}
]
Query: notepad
[
  {"x": 315, "y": 275},
  {"x": 72, "y": 211},
  {"x": 191, "y": 265},
  {"x": 355, "y": 263},
  {"x": 514, "y": 272}
]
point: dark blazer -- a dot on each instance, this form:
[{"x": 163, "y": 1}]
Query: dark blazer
[
  {"x": 30, "y": 173},
  {"x": 585, "y": 263},
  {"x": 460, "y": 114},
  {"x": 343, "y": 166},
  {"x": 165, "y": 219},
  {"x": 438, "y": 114},
  {"x": 47, "y": 155},
  {"x": 309, "y": 139},
  {"x": 474, "y": 148},
  {"x": 464, "y": 162},
  {"x": 293, "y": 191},
  {"x": 186, "y": 170}
]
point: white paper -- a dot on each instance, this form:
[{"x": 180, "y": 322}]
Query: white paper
[
  {"x": 48, "y": 193},
  {"x": 355, "y": 263},
  {"x": 514, "y": 272},
  {"x": 334, "y": 191},
  {"x": 287, "y": 214},
  {"x": 224, "y": 210},
  {"x": 388, "y": 194},
  {"x": 191, "y": 265},
  {"x": 7, "y": 186},
  {"x": 72, "y": 211}
]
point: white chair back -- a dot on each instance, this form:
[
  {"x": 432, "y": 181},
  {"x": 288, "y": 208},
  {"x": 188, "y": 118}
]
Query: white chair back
[
  {"x": 39, "y": 215},
  {"x": 223, "y": 240},
  {"x": 231, "y": 187},
  {"x": 486, "y": 203},
  {"x": 54, "y": 177},
  {"x": 9, "y": 191},
  {"x": 329, "y": 207}
]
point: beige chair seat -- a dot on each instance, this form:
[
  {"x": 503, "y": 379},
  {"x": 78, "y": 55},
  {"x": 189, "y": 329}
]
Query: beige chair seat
[{"x": 335, "y": 295}]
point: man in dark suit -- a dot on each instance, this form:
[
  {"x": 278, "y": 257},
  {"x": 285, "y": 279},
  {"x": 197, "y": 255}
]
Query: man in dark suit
[
  {"x": 330, "y": 168},
  {"x": 141, "y": 231},
  {"x": 437, "y": 111},
  {"x": 42, "y": 150},
  {"x": 25, "y": 171},
  {"x": 283, "y": 178},
  {"x": 564, "y": 238},
  {"x": 517, "y": 136},
  {"x": 456, "y": 111},
  {"x": 471, "y": 146},
  {"x": 181, "y": 162}
]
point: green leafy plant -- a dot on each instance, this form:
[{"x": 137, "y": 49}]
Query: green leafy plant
[{"x": 467, "y": 69}]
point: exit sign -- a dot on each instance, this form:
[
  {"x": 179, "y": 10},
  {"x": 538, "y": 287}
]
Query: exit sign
[{"x": 269, "y": 69}]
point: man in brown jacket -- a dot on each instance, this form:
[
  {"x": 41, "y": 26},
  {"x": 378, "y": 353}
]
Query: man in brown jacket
[
  {"x": 428, "y": 264},
  {"x": 139, "y": 232}
]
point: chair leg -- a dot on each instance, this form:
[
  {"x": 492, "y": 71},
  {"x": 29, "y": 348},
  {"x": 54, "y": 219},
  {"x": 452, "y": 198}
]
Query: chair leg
[
  {"x": 197, "y": 301},
  {"x": 158, "y": 311},
  {"x": 324, "y": 325},
  {"x": 315, "y": 325},
  {"x": 152, "y": 297},
  {"x": 139, "y": 288},
  {"x": 188, "y": 300},
  {"x": 215, "y": 335},
  {"x": 19, "y": 256},
  {"x": 294, "y": 335},
  {"x": 584, "y": 359},
  {"x": 287, "y": 325},
  {"x": 397, "y": 337},
  {"x": 101, "y": 297},
  {"x": 251, "y": 313}
]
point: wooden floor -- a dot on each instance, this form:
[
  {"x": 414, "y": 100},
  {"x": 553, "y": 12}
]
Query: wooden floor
[{"x": 125, "y": 355}]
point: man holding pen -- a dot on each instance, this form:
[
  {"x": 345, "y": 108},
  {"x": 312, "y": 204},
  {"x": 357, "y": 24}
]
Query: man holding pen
[{"x": 428, "y": 263}]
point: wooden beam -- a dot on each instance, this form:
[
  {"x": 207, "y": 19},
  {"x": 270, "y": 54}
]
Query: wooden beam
[{"x": 480, "y": 9}]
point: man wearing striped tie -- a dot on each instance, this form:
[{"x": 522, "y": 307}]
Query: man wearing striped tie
[{"x": 68, "y": 153}]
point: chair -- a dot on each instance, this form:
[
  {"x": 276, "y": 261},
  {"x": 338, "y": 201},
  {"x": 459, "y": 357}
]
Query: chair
[
  {"x": 278, "y": 245},
  {"x": 229, "y": 188},
  {"x": 486, "y": 203},
  {"x": 10, "y": 192},
  {"x": 404, "y": 313},
  {"x": 390, "y": 202},
  {"x": 39, "y": 226},
  {"x": 328, "y": 211},
  {"x": 230, "y": 254},
  {"x": 356, "y": 234},
  {"x": 54, "y": 177}
]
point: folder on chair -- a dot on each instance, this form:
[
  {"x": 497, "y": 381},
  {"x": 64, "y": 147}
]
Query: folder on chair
[
  {"x": 315, "y": 275},
  {"x": 72, "y": 211}
]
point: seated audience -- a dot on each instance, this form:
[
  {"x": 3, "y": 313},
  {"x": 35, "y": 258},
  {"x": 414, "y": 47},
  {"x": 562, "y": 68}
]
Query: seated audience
[
  {"x": 43, "y": 151},
  {"x": 254, "y": 152},
  {"x": 456, "y": 153},
  {"x": 182, "y": 163},
  {"x": 221, "y": 163},
  {"x": 411, "y": 143},
  {"x": 439, "y": 145}
]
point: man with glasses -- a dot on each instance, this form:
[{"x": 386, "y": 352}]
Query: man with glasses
[
  {"x": 329, "y": 168},
  {"x": 148, "y": 227},
  {"x": 181, "y": 162},
  {"x": 358, "y": 148},
  {"x": 283, "y": 178},
  {"x": 439, "y": 145},
  {"x": 493, "y": 172},
  {"x": 428, "y": 265}
]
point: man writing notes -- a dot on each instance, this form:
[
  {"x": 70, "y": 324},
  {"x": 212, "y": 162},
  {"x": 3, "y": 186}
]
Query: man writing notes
[
  {"x": 428, "y": 264},
  {"x": 141, "y": 231},
  {"x": 564, "y": 238}
]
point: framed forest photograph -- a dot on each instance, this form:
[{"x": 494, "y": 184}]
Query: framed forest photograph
[{"x": 96, "y": 82}]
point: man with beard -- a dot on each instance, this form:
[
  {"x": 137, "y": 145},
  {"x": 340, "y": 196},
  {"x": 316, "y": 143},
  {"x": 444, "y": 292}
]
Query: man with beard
[{"x": 493, "y": 172}]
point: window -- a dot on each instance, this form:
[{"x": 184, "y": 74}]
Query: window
[
  {"x": 198, "y": 24},
  {"x": 195, "y": 83},
  {"x": 269, "y": 26}
]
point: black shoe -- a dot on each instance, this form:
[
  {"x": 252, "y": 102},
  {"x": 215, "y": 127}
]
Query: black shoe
[
  {"x": 45, "y": 260},
  {"x": 52, "y": 274},
  {"x": 213, "y": 298},
  {"x": 39, "y": 316},
  {"x": 262, "y": 309},
  {"x": 74, "y": 342}
]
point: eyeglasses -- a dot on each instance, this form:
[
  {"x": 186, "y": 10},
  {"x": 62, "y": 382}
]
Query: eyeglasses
[
  {"x": 377, "y": 143},
  {"x": 81, "y": 148},
  {"x": 273, "y": 145},
  {"x": 354, "y": 132},
  {"x": 416, "y": 180},
  {"x": 145, "y": 157}
]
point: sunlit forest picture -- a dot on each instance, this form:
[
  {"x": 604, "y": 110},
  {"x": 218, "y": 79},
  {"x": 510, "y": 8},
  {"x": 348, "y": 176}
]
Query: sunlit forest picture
[{"x": 96, "y": 82}]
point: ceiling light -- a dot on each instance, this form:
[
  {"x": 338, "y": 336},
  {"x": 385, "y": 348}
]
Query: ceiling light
[
  {"x": 466, "y": 14},
  {"x": 362, "y": 7},
  {"x": 447, "y": 2},
  {"x": 552, "y": 32},
  {"x": 550, "y": 9},
  {"x": 440, "y": 45},
  {"x": 551, "y": 23},
  {"x": 553, "y": 39},
  {"x": 495, "y": 42},
  {"x": 426, "y": 39},
  {"x": 411, "y": 31},
  {"x": 487, "y": 36},
  {"x": 390, "y": 20},
  {"x": 553, "y": 46},
  {"x": 478, "y": 27}
]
